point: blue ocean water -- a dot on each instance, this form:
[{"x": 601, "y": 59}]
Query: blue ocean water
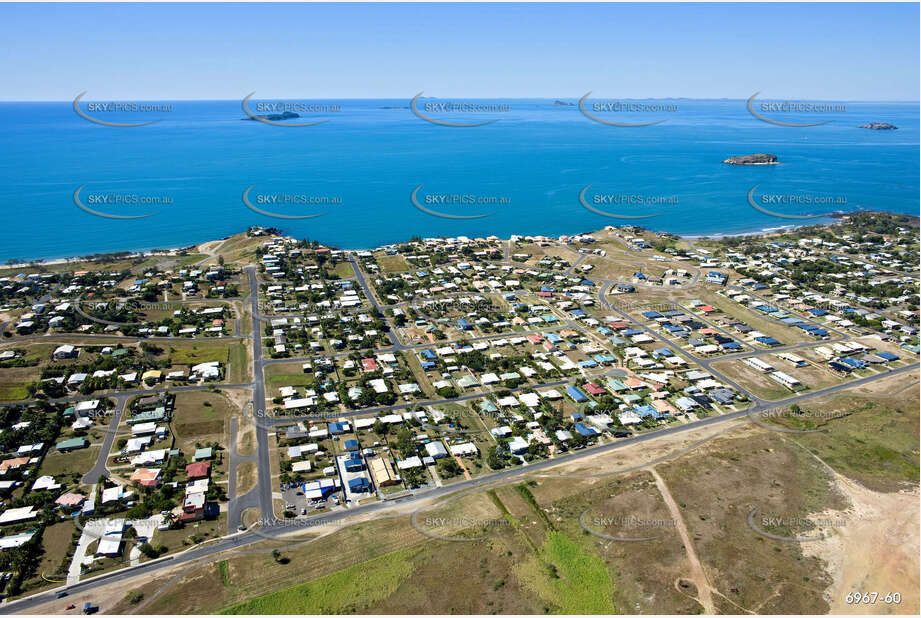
[{"x": 537, "y": 157}]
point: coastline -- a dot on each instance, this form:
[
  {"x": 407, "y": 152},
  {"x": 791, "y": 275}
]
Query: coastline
[{"x": 136, "y": 253}]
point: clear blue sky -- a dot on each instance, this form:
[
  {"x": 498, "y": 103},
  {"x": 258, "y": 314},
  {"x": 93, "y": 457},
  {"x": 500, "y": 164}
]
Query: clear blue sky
[{"x": 224, "y": 51}]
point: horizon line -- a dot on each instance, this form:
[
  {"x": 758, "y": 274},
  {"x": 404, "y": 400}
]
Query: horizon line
[{"x": 491, "y": 98}]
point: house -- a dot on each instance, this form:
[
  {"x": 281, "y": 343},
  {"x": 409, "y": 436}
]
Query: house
[
  {"x": 584, "y": 430},
  {"x": 193, "y": 507},
  {"x": 46, "y": 482},
  {"x": 715, "y": 277},
  {"x": 517, "y": 445},
  {"x": 65, "y": 351},
  {"x": 354, "y": 463},
  {"x": 464, "y": 449},
  {"x": 111, "y": 539},
  {"x": 12, "y": 516},
  {"x": 359, "y": 485},
  {"x": 72, "y": 444},
  {"x": 575, "y": 394},
  {"x": 15, "y": 540},
  {"x": 382, "y": 472},
  {"x": 146, "y": 477},
  {"x": 201, "y": 469},
  {"x": 785, "y": 379},
  {"x": 87, "y": 408},
  {"x": 436, "y": 450}
]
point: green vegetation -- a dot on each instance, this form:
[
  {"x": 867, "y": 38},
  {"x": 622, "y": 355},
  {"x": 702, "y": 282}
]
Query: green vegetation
[
  {"x": 874, "y": 444},
  {"x": 566, "y": 576},
  {"x": 12, "y": 391},
  {"x": 352, "y": 589}
]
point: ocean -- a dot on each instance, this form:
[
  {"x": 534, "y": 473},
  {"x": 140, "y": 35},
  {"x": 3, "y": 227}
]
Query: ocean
[{"x": 358, "y": 170}]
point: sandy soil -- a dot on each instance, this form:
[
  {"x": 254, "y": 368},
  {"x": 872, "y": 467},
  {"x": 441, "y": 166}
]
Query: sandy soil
[
  {"x": 696, "y": 573},
  {"x": 876, "y": 550}
]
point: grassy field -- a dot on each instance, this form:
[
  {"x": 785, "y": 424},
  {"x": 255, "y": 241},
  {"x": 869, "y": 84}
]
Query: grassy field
[
  {"x": 75, "y": 462},
  {"x": 14, "y": 390},
  {"x": 344, "y": 270},
  {"x": 201, "y": 414},
  {"x": 247, "y": 475},
  {"x": 876, "y": 443},
  {"x": 392, "y": 263},
  {"x": 232, "y": 355},
  {"x": 351, "y": 590},
  {"x": 279, "y": 375}
]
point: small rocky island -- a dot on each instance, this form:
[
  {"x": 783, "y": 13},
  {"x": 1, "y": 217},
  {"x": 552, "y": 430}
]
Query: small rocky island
[
  {"x": 878, "y": 126},
  {"x": 752, "y": 159},
  {"x": 282, "y": 116},
  {"x": 559, "y": 103}
]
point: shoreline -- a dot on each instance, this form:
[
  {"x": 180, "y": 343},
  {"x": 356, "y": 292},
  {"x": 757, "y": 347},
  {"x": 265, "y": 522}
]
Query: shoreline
[{"x": 172, "y": 251}]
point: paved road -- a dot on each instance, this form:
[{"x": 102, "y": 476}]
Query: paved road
[
  {"x": 244, "y": 539},
  {"x": 139, "y": 391},
  {"x": 99, "y": 469},
  {"x": 261, "y": 495},
  {"x": 703, "y": 362}
]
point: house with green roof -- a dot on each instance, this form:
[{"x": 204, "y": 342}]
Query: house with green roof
[
  {"x": 72, "y": 444},
  {"x": 149, "y": 416}
]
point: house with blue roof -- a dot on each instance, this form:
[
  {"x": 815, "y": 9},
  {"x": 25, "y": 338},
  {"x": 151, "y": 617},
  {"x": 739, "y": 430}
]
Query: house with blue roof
[
  {"x": 584, "y": 430},
  {"x": 354, "y": 463},
  {"x": 715, "y": 277},
  {"x": 359, "y": 485},
  {"x": 338, "y": 428},
  {"x": 575, "y": 394},
  {"x": 853, "y": 362},
  {"x": 647, "y": 410}
]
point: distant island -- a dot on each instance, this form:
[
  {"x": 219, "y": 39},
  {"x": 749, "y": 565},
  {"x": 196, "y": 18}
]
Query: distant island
[
  {"x": 752, "y": 159},
  {"x": 559, "y": 103},
  {"x": 282, "y": 116},
  {"x": 878, "y": 126}
]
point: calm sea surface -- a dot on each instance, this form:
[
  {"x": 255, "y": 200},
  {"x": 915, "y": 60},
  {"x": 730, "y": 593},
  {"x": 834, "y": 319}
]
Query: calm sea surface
[{"x": 359, "y": 169}]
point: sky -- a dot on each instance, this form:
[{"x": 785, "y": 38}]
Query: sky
[{"x": 841, "y": 52}]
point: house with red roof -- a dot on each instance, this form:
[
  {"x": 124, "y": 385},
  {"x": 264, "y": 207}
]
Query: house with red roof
[
  {"x": 198, "y": 470},
  {"x": 594, "y": 389}
]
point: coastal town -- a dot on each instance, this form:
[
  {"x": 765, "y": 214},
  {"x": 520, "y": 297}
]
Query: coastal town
[{"x": 183, "y": 403}]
